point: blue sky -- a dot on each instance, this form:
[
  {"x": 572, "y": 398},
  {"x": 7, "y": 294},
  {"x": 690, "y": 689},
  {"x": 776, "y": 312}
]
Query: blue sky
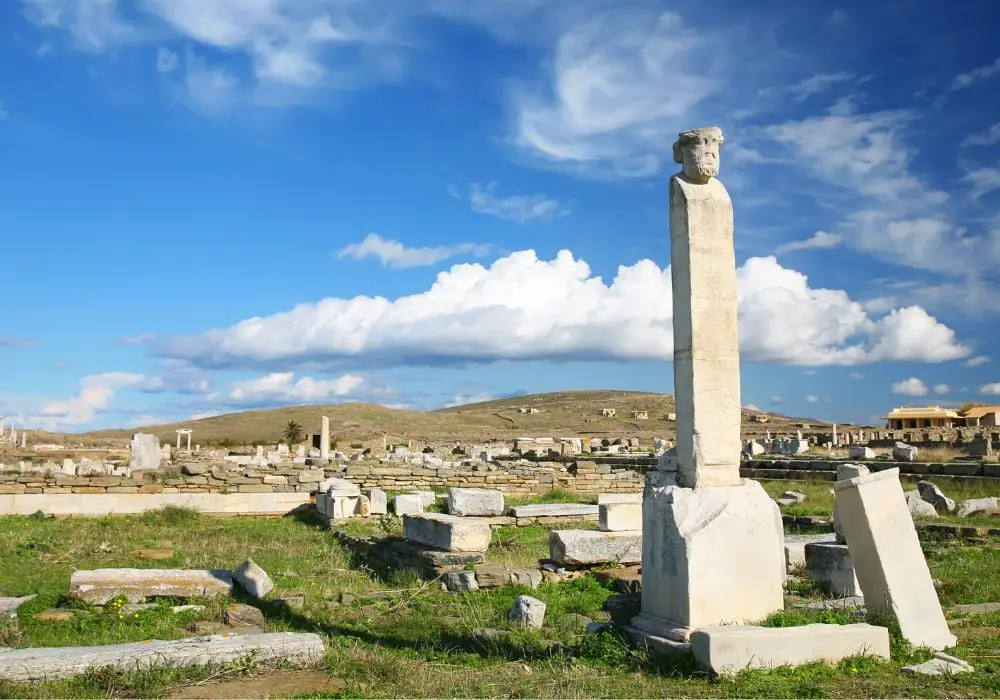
[{"x": 211, "y": 205}]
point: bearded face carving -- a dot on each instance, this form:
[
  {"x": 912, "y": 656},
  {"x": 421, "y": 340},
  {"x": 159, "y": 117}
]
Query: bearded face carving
[{"x": 698, "y": 152}]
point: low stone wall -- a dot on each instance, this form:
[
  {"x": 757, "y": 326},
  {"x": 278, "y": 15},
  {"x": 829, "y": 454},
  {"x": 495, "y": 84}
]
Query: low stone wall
[
  {"x": 826, "y": 470},
  {"x": 101, "y": 504}
]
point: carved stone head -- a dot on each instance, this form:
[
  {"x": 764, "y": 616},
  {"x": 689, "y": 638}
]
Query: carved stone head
[{"x": 698, "y": 151}]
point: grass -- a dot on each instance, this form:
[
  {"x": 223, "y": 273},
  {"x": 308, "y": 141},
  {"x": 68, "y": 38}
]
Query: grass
[
  {"x": 417, "y": 641},
  {"x": 819, "y": 500}
]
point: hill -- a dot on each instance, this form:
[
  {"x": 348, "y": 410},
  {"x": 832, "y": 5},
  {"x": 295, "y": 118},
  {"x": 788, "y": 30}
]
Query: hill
[{"x": 559, "y": 414}]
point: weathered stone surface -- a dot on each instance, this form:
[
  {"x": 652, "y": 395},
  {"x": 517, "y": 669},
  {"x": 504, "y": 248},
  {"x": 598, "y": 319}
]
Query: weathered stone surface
[
  {"x": 145, "y": 452},
  {"x": 428, "y": 498},
  {"x": 585, "y": 547},
  {"x": 407, "y": 504},
  {"x": 9, "y": 606},
  {"x": 54, "y": 615},
  {"x": 860, "y": 452},
  {"x": 544, "y": 510},
  {"x": 311, "y": 476},
  {"x": 901, "y": 452},
  {"x": 710, "y": 556},
  {"x": 98, "y": 586},
  {"x": 918, "y": 507},
  {"x": 930, "y": 492},
  {"x": 253, "y": 579},
  {"x": 239, "y": 615},
  {"x": 795, "y": 548},
  {"x": 606, "y": 498},
  {"x": 451, "y": 533},
  {"x": 829, "y": 566},
  {"x": 459, "y": 581},
  {"x": 729, "y": 649},
  {"x": 940, "y": 665},
  {"x": 100, "y": 503},
  {"x": 844, "y": 472},
  {"x": 377, "y": 501},
  {"x": 979, "y": 506},
  {"x": 888, "y": 559},
  {"x": 527, "y": 611},
  {"x": 292, "y": 648},
  {"x": 795, "y": 496},
  {"x": 339, "y": 487},
  {"x": 620, "y": 517},
  {"x": 475, "y": 502}
]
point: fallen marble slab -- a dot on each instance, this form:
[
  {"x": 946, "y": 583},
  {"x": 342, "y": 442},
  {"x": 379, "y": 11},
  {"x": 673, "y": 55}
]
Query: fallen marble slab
[
  {"x": 546, "y": 510},
  {"x": 728, "y": 649},
  {"x": 98, "y": 586},
  {"x": 9, "y": 606},
  {"x": 586, "y": 547},
  {"x": 940, "y": 665},
  {"x": 292, "y": 648},
  {"x": 452, "y": 533}
]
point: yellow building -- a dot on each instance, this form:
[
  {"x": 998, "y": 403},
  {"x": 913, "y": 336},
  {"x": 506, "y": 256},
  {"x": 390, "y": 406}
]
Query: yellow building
[
  {"x": 927, "y": 417},
  {"x": 982, "y": 416}
]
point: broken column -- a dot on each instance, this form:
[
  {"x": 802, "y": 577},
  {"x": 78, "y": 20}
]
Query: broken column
[
  {"x": 713, "y": 549},
  {"x": 888, "y": 559},
  {"x": 324, "y": 438}
]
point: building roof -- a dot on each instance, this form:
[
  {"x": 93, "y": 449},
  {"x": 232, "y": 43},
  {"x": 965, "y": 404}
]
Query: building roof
[
  {"x": 980, "y": 411},
  {"x": 924, "y": 412}
]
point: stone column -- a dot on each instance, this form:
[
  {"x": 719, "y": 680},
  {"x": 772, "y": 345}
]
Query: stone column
[
  {"x": 178, "y": 441},
  {"x": 324, "y": 438},
  {"x": 189, "y": 440},
  {"x": 24, "y": 439},
  {"x": 1, "y": 426},
  {"x": 834, "y": 434},
  {"x": 713, "y": 544}
]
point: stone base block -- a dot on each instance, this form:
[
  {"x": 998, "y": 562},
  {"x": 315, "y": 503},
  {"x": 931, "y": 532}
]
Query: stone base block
[
  {"x": 620, "y": 517},
  {"x": 378, "y": 502},
  {"x": 475, "y": 502},
  {"x": 337, "y": 507},
  {"x": 98, "y": 586},
  {"x": 795, "y": 548},
  {"x": 729, "y": 649},
  {"x": 829, "y": 565},
  {"x": 407, "y": 504},
  {"x": 655, "y": 643},
  {"x": 587, "y": 547},
  {"x": 606, "y": 498},
  {"x": 451, "y": 533},
  {"x": 711, "y": 556}
]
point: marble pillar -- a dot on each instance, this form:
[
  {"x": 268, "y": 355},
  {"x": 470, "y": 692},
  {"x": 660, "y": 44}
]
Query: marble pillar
[
  {"x": 713, "y": 544},
  {"x": 324, "y": 438}
]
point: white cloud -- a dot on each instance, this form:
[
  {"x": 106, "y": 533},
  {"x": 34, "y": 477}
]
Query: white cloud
[
  {"x": 984, "y": 138},
  {"x": 942, "y": 389},
  {"x": 524, "y": 308},
  {"x": 819, "y": 240},
  {"x": 817, "y": 84},
  {"x": 618, "y": 84},
  {"x": 977, "y": 361},
  {"x": 521, "y": 208},
  {"x": 140, "y": 339},
  {"x": 777, "y": 399},
  {"x": 95, "y": 394},
  {"x": 210, "y": 90},
  {"x": 465, "y": 399},
  {"x": 394, "y": 254},
  {"x": 983, "y": 181},
  {"x": 966, "y": 80},
  {"x": 991, "y": 389},
  {"x": 811, "y": 398},
  {"x": 94, "y": 24},
  {"x": 44, "y": 50},
  {"x": 166, "y": 60},
  {"x": 910, "y": 387},
  {"x": 281, "y": 387},
  {"x": 857, "y": 375}
]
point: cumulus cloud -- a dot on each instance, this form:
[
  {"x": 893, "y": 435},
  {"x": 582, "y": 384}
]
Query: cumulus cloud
[
  {"x": 777, "y": 399},
  {"x": 283, "y": 388},
  {"x": 522, "y": 208},
  {"x": 993, "y": 389},
  {"x": 819, "y": 240},
  {"x": 394, "y": 254},
  {"x": 942, "y": 389},
  {"x": 525, "y": 308},
  {"x": 910, "y": 387},
  {"x": 812, "y": 398},
  {"x": 95, "y": 394},
  {"x": 857, "y": 375},
  {"x": 977, "y": 361}
]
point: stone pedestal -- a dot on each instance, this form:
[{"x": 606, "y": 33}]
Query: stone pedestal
[
  {"x": 829, "y": 566},
  {"x": 888, "y": 559},
  {"x": 711, "y": 556}
]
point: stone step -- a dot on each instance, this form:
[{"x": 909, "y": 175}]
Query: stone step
[
  {"x": 544, "y": 510},
  {"x": 451, "y": 533}
]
